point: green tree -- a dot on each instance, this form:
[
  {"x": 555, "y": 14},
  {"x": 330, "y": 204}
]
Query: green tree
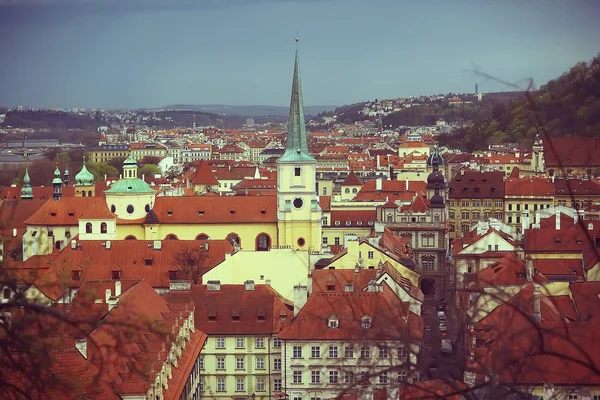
[
  {"x": 149, "y": 170},
  {"x": 117, "y": 163},
  {"x": 99, "y": 170}
]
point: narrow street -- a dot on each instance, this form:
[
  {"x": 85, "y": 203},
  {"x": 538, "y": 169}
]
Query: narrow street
[{"x": 433, "y": 363}]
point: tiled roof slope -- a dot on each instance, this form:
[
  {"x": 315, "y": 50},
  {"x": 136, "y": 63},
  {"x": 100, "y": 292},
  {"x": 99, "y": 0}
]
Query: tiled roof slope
[
  {"x": 473, "y": 184},
  {"x": 388, "y": 322},
  {"x": 65, "y": 211},
  {"x": 261, "y": 311},
  {"x": 216, "y": 210},
  {"x": 335, "y": 280},
  {"x": 571, "y": 152}
]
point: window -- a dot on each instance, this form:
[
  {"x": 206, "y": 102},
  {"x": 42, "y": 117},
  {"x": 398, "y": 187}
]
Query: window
[
  {"x": 298, "y": 202},
  {"x": 347, "y": 190},
  {"x": 325, "y": 239},
  {"x": 220, "y": 362},
  {"x": 402, "y": 376},
  {"x": 354, "y": 190},
  {"x": 130, "y": 209},
  {"x": 315, "y": 377},
  {"x": 260, "y": 343},
  {"x": 333, "y": 376},
  {"x": 487, "y": 203},
  {"x": 277, "y": 364},
  {"x": 402, "y": 352},
  {"x": 348, "y": 377},
  {"x": 50, "y": 232},
  {"x": 220, "y": 384},
  {"x": 315, "y": 351},
  {"x": 201, "y": 384},
  {"x": 337, "y": 241},
  {"x": 240, "y": 343},
  {"x": 116, "y": 275},
  {"x": 240, "y": 384},
  {"x": 333, "y": 323},
  {"x": 297, "y": 376},
  {"x": 518, "y": 207},
  {"x": 75, "y": 275},
  {"x": 348, "y": 352},
  {"x": 88, "y": 227},
  {"x": 333, "y": 352},
  {"x": 297, "y": 171},
  {"x": 498, "y": 215},
  {"x": 260, "y": 363},
  {"x": 148, "y": 263},
  {"x": 476, "y": 215},
  {"x": 365, "y": 352},
  {"x": 239, "y": 362},
  {"x": 464, "y": 203},
  {"x": 370, "y": 255},
  {"x": 276, "y": 342},
  {"x": 465, "y": 228},
  {"x": 384, "y": 352},
  {"x": 324, "y": 191},
  {"x": 428, "y": 240},
  {"x": 383, "y": 378},
  {"x": 365, "y": 322},
  {"x": 427, "y": 263},
  {"x": 451, "y": 215},
  {"x": 103, "y": 227},
  {"x": 486, "y": 214},
  {"x": 220, "y": 343},
  {"x": 201, "y": 362},
  {"x": 464, "y": 215},
  {"x": 498, "y": 203},
  {"x": 573, "y": 396},
  {"x": 260, "y": 384},
  {"x": 297, "y": 352}
]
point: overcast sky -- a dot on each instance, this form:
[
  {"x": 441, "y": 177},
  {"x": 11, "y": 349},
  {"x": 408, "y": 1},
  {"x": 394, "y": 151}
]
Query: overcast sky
[{"x": 150, "y": 53}]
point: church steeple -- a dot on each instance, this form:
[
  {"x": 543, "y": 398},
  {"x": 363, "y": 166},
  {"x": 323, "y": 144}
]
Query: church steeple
[
  {"x": 57, "y": 184},
  {"x": 296, "y": 149}
]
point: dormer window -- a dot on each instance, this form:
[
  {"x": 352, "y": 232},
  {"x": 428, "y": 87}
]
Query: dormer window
[
  {"x": 76, "y": 275},
  {"x": 365, "y": 322},
  {"x": 235, "y": 314},
  {"x": 331, "y": 288},
  {"x": 333, "y": 322},
  {"x": 348, "y": 223}
]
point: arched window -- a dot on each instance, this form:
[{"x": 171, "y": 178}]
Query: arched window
[
  {"x": 354, "y": 190},
  {"x": 202, "y": 236},
  {"x": 171, "y": 236},
  {"x": 234, "y": 239},
  {"x": 130, "y": 237},
  {"x": 88, "y": 227},
  {"x": 297, "y": 171},
  {"x": 263, "y": 242},
  {"x": 90, "y": 193},
  {"x": 347, "y": 190},
  {"x": 83, "y": 193},
  {"x": 103, "y": 228}
]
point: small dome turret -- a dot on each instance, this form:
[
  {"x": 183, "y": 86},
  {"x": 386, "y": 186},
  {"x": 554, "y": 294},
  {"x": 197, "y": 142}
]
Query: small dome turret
[
  {"x": 26, "y": 190},
  {"x": 84, "y": 177},
  {"x": 436, "y": 201}
]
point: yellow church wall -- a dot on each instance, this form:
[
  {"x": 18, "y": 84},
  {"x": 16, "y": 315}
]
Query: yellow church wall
[
  {"x": 553, "y": 256},
  {"x": 246, "y": 232},
  {"x": 291, "y": 232},
  {"x": 285, "y": 268},
  {"x": 122, "y": 201},
  {"x": 42, "y": 243}
]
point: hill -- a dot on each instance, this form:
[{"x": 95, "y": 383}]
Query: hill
[
  {"x": 246, "y": 111},
  {"x": 564, "y": 107}
]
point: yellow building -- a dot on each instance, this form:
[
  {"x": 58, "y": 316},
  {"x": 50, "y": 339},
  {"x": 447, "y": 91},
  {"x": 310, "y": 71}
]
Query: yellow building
[
  {"x": 107, "y": 152},
  {"x": 242, "y": 357}
]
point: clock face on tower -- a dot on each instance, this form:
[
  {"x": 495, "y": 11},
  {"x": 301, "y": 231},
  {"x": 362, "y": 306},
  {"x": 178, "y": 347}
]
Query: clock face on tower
[{"x": 298, "y": 203}]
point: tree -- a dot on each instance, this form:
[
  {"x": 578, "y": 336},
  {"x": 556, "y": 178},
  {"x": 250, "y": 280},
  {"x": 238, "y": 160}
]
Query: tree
[
  {"x": 191, "y": 261},
  {"x": 100, "y": 169},
  {"x": 149, "y": 160},
  {"x": 117, "y": 163},
  {"x": 149, "y": 170}
]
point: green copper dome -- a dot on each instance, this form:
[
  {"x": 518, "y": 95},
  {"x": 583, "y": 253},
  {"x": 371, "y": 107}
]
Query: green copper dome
[
  {"x": 84, "y": 177},
  {"x": 130, "y": 161},
  {"x": 130, "y": 185},
  {"x": 26, "y": 190},
  {"x": 57, "y": 180}
]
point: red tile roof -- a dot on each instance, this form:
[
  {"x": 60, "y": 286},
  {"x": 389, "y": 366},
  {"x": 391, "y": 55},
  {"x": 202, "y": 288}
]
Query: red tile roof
[
  {"x": 66, "y": 211},
  {"x": 335, "y": 280},
  {"x": 509, "y": 270},
  {"x": 446, "y": 389},
  {"x": 530, "y": 186},
  {"x": 325, "y": 203},
  {"x": 478, "y": 185},
  {"x": 216, "y": 210},
  {"x": 352, "y": 180},
  {"x": 261, "y": 311},
  {"x": 203, "y": 175},
  {"x": 388, "y": 322},
  {"x": 353, "y": 218},
  {"x": 571, "y": 152}
]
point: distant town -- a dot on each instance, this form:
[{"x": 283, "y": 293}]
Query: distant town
[{"x": 162, "y": 254}]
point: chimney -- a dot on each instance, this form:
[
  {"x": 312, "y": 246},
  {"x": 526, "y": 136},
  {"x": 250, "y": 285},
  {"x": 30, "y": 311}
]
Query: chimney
[
  {"x": 81, "y": 346},
  {"x": 529, "y": 269},
  {"x": 406, "y": 184},
  {"x": 107, "y": 296},
  {"x": 373, "y": 286},
  {"x": 557, "y": 220},
  {"x": 117, "y": 288},
  {"x": 268, "y": 282},
  {"x": 378, "y": 184},
  {"x": 249, "y": 285},
  {"x": 300, "y": 298},
  {"x": 537, "y": 311},
  {"x": 524, "y": 221},
  {"x": 156, "y": 245},
  {"x": 349, "y": 287},
  {"x": 206, "y": 246},
  {"x": 552, "y": 178},
  {"x": 213, "y": 286},
  {"x": 14, "y": 232}
]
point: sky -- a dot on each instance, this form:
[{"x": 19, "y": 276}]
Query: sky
[{"x": 152, "y": 53}]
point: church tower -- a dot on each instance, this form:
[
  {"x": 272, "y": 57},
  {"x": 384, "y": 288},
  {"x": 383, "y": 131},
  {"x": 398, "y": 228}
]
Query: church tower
[
  {"x": 57, "y": 185},
  {"x": 298, "y": 211},
  {"x": 26, "y": 190}
]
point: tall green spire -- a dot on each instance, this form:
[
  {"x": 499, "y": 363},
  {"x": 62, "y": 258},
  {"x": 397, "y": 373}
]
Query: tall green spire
[{"x": 296, "y": 149}]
